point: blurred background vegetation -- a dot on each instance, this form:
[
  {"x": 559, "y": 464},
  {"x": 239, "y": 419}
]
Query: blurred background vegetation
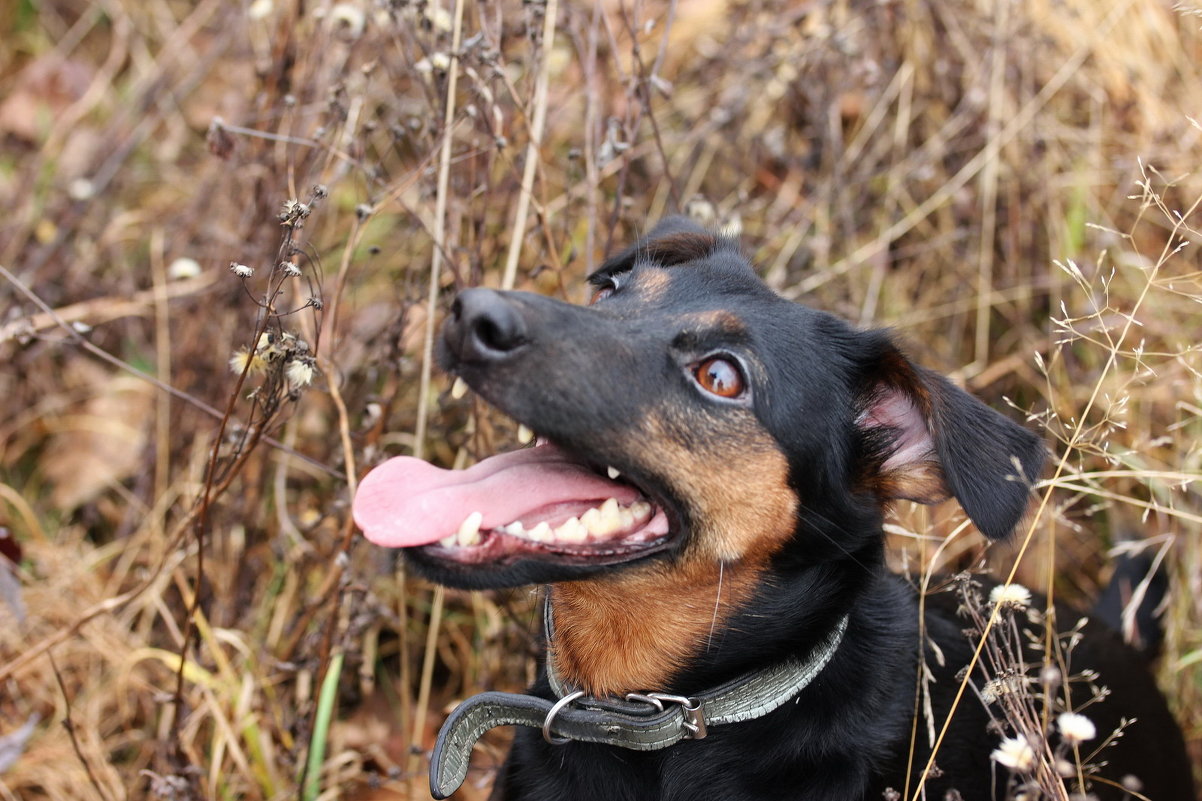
[{"x": 186, "y": 610}]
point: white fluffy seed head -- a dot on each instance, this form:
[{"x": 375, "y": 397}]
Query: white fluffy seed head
[
  {"x": 1013, "y": 596},
  {"x": 299, "y": 373},
  {"x": 1075, "y": 728},
  {"x": 1014, "y": 753}
]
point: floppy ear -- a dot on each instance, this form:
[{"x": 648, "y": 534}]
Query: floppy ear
[{"x": 932, "y": 440}]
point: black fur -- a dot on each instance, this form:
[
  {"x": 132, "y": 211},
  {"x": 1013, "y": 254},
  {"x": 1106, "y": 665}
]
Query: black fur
[{"x": 580, "y": 375}]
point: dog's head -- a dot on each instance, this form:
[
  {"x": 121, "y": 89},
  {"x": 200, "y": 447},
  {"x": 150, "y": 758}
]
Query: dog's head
[{"x": 687, "y": 415}]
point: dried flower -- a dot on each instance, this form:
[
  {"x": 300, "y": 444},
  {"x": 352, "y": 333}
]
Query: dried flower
[
  {"x": 1075, "y": 728},
  {"x": 289, "y": 268},
  {"x": 259, "y": 9},
  {"x": 81, "y": 189},
  {"x": 1013, "y": 596},
  {"x": 299, "y": 373},
  {"x": 348, "y": 20},
  {"x": 439, "y": 61},
  {"x": 1014, "y": 753},
  {"x": 238, "y": 362},
  {"x": 241, "y": 270},
  {"x": 183, "y": 267}
]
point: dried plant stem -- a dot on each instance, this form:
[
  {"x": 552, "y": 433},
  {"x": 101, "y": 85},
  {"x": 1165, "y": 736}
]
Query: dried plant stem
[
  {"x": 162, "y": 346},
  {"x": 69, "y": 725},
  {"x": 423, "y": 405},
  {"x": 537, "y": 123},
  {"x": 989, "y": 187}
]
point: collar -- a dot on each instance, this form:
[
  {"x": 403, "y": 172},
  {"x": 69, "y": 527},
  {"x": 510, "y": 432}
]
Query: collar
[{"x": 641, "y": 721}]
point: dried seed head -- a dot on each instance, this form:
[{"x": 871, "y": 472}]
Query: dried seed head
[
  {"x": 260, "y": 9},
  {"x": 1050, "y": 676},
  {"x": 1075, "y": 728},
  {"x": 299, "y": 373},
  {"x": 1012, "y": 596},
  {"x": 238, "y": 362},
  {"x": 1014, "y": 753},
  {"x": 183, "y": 267},
  {"x": 290, "y": 269},
  {"x": 347, "y": 20},
  {"x": 241, "y": 270}
]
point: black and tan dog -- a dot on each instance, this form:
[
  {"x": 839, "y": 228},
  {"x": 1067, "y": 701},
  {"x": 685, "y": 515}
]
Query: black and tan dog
[{"x": 705, "y": 501}]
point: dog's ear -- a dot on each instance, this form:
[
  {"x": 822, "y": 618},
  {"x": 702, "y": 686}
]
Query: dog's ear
[
  {"x": 928, "y": 440},
  {"x": 674, "y": 240}
]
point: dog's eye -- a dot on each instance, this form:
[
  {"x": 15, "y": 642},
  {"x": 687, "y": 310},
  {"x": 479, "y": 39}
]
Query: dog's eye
[
  {"x": 602, "y": 293},
  {"x": 719, "y": 376},
  {"x": 604, "y": 290}
]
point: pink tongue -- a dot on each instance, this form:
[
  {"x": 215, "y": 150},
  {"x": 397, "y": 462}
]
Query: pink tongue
[{"x": 406, "y": 502}]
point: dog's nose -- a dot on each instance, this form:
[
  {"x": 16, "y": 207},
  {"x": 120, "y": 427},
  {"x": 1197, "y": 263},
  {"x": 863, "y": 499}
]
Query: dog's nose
[{"x": 484, "y": 326}]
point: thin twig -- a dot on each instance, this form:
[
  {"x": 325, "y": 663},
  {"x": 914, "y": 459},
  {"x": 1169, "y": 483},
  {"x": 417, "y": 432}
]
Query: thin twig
[
  {"x": 518, "y": 232},
  {"x": 444, "y": 169},
  {"x": 69, "y": 725}
]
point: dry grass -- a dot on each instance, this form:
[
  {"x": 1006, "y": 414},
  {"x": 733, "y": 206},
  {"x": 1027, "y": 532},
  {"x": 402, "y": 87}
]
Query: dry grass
[{"x": 1007, "y": 185}]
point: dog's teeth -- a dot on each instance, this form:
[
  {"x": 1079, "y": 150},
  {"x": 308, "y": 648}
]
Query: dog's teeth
[
  {"x": 449, "y": 541},
  {"x": 541, "y": 533},
  {"x": 572, "y": 531},
  {"x": 469, "y": 530},
  {"x": 606, "y": 521},
  {"x": 640, "y": 509},
  {"x": 591, "y": 519},
  {"x": 613, "y": 473},
  {"x": 515, "y": 529},
  {"x": 458, "y": 389},
  {"x": 525, "y": 435},
  {"x": 627, "y": 517}
]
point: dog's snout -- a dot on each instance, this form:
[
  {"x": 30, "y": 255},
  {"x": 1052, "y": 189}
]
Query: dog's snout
[{"x": 484, "y": 326}]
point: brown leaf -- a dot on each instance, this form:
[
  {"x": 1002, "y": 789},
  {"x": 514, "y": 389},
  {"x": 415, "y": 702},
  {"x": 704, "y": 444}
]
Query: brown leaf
[
  {"x": 41, "y": 92},
  {"x": 102, "y": 443}
]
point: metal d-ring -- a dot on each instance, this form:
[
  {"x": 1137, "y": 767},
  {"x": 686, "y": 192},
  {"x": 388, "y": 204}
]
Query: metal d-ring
[{"x": 560, "y": 704}]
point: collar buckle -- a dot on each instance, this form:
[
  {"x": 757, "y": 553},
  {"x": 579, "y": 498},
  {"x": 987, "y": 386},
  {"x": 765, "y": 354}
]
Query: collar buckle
[{"x": 693, "y": 713}]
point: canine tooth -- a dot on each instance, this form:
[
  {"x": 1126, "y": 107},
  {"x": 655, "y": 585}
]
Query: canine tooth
[
  {"x": 525, "y": 435},
  {"x": 469, "y": 530},
  {"x": 613, "y": 473},
  {"x": 572, "y": 531},
  {"x": 458, "y": 389},
  {"x": 541, "y": 532}
]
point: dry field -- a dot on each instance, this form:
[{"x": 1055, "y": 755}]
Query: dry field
[{"x": 299, "y": 188}]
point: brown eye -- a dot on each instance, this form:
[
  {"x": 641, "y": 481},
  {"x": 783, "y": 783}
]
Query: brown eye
[{"x": 720, "y": 376}]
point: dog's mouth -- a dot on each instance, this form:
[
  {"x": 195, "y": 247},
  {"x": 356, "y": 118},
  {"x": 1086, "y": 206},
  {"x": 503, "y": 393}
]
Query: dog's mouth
[{"x": 539, "y": 503}]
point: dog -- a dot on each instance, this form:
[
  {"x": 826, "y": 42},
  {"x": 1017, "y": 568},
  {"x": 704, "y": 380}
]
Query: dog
[{"x": 705, "y": 501}]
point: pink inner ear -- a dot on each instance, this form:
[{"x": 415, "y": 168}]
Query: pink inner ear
[{"x": 895, "y": 409}]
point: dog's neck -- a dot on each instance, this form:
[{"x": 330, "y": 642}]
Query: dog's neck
[{"x": 635, "y": 631}]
